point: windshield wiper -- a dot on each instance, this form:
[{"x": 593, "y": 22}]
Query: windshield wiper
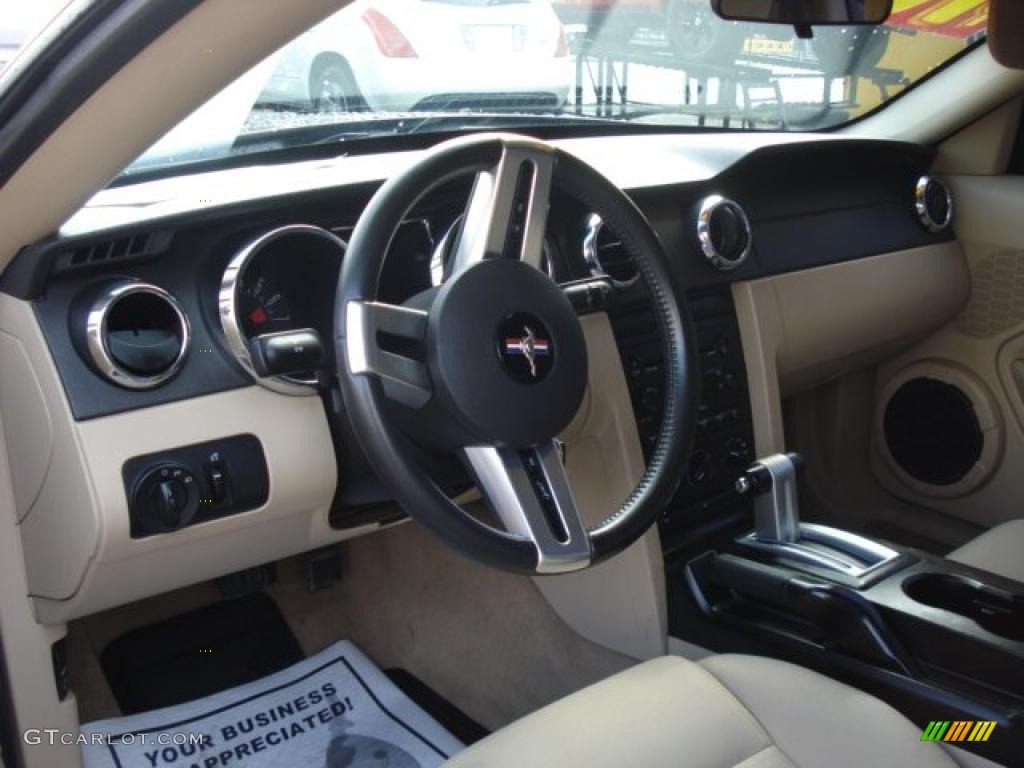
[
  {"x": 419, "y": 123},
  {"x": 448, "y": 121}
]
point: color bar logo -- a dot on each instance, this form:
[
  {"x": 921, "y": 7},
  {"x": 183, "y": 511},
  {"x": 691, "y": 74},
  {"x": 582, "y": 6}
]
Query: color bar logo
[{"x": 958, "y": 730}]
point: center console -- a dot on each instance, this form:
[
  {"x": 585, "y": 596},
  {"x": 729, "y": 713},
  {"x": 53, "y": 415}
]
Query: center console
[
  {"x": 939, "y": 640},
  {"x": 723, "y": 444}
]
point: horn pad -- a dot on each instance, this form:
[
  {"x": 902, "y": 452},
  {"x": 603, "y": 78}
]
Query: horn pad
[{"x": 506, "y": 353}]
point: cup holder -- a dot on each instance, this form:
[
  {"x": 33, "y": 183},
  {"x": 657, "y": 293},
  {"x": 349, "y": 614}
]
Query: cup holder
[{"x": 999, "y": 612}]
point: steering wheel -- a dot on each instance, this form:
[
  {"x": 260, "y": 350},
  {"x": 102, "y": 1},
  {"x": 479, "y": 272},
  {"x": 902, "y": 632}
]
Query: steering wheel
[{"x": 495, "y": 366}]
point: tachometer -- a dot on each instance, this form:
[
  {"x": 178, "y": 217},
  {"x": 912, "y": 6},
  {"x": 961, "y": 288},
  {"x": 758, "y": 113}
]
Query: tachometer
[{"x": 277, "y": 306}]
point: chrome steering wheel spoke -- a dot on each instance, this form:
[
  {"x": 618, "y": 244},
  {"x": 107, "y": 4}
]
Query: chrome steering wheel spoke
[
  {"x": 404, "y": 379},
  {"x": 508, "y": 207},
  {"x": 530, "y": 492}
]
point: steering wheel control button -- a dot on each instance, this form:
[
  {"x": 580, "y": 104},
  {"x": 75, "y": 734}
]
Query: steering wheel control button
[
  {"x": 542, "y": 490},
  {"x": 514, "y": 240},
  {"x": 507, "y": 376},
  {"x": 525, "y": 348}
]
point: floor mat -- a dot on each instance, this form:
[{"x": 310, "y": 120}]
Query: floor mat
[
  {"x": 458, "y": 723},
  {"x": 199, "y": 653},
  {"x": 333, "y": 710}
]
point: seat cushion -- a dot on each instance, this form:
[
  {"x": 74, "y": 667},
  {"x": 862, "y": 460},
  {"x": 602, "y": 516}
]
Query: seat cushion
[
  {"x": 999, "y": 550},
  {"x": 723, "y": 712}
]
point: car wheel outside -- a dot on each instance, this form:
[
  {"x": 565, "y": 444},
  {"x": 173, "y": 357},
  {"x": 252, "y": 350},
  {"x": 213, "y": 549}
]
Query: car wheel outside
[
  {"x": 696, "y": 34},
  {"x": 332, "y": 88}
]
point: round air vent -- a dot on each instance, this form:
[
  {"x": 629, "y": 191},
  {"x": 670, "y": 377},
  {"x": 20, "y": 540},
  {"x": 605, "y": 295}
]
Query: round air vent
[
  {"x": 723, "y": 232},
  {"x": 136, "y": 335},
  {"x": 938, "y": 430},
  {"x": 934, "y": 204},
  {"x": 605, "y": 255}
]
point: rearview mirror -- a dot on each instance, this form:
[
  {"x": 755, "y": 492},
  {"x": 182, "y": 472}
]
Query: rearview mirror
[{"x": 805, "y": 13}]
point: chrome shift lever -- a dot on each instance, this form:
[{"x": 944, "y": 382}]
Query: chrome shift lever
[
  {"x": 776, "y": 508},
  {"x": 779, "y": 533}
]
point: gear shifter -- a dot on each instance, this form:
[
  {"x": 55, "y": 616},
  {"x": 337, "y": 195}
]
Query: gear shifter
[
  {"x": 778, "y": 532},
  {"x": 776, "y": 509}
]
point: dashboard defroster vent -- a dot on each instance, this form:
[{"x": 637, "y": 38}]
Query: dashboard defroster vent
[{"x": 130, "y": 247}]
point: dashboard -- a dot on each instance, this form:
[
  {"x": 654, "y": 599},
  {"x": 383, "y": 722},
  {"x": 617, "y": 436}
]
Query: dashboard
[
  {"x": 150, "y": 304},
  {"x": 843, "y": 200}
]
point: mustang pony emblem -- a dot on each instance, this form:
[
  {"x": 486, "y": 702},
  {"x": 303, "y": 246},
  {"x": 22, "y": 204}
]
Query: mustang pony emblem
[{"x": 530, "y": 347}]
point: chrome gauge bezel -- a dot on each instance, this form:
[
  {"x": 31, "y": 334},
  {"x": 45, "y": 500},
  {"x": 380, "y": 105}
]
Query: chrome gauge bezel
[
  {"x": 230, "y": 298},
  {"x": 96, "y": 335}
]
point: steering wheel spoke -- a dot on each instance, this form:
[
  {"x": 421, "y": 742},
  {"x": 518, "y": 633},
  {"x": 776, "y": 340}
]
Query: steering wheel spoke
[
  {"x": 404, "y": 379},
  {"x": 508, "y": 207},
  {"x": 529, "y": 490}
]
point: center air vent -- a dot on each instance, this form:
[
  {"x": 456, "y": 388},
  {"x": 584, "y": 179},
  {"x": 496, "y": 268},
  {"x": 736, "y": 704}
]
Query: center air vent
[
  {"x": 134, "y": 334},
  {"x": 934, "y": 204},
  {"x": 605, "y": 254},
  {"x": 723, "y": 232}
]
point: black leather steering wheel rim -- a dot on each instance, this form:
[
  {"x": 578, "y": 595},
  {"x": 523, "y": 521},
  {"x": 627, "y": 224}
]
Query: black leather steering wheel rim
[{"x": 366, "y": 401}]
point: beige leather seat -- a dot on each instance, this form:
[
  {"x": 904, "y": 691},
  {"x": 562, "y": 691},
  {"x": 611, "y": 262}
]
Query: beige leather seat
[
  {"x": 723, "y": 712},
  {"x": 999, "y": 550}
]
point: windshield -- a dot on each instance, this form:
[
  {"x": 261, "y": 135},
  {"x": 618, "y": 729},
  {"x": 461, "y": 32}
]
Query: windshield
[
  {"x": 22, "y": 20},
  {"x": 389, "y": 67}
]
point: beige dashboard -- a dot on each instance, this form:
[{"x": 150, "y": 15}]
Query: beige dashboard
[
  {"x": 801, "y": 321},
  {"x": 73, "y": 513},
  {"x": 803, "y": 329},
  {"x": 67, "y": 475}
]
